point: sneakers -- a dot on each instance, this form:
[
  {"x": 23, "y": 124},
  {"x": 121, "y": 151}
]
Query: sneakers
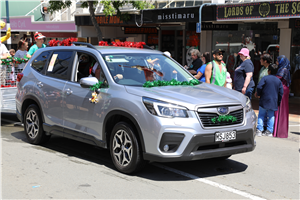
[
  {"x": 258, "y": 133},
  {"x": 265, "y": 133},
  {"x": 268, "y": 133}
]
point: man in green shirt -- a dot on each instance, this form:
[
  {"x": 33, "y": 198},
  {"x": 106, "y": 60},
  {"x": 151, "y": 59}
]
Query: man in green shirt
[
  {"x": 39, "y": 39},
  {"x": 215, "y": 71}
]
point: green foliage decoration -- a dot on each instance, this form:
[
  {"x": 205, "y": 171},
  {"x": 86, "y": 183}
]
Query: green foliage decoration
[
  {"x": 172, "y": 82},
  {"x": 224, "y": 118},
  {"x": 97, "y": 86}
]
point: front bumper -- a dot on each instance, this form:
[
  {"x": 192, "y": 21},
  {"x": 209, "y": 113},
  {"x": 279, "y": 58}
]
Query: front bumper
[{"x": 203, "y": 146}]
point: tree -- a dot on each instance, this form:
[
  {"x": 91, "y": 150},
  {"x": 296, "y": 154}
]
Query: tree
[{"x": 109, "y": 8}]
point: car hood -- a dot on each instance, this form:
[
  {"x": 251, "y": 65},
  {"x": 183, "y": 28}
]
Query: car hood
[{"x": 191, "y": 97}]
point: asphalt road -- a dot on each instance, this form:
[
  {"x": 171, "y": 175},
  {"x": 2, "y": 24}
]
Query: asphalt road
[{"x": 66, "y": 169}]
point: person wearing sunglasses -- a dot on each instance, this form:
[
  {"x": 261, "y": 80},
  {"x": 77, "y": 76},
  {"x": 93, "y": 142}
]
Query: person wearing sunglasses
[
  {"x": 215, "y": 71},
  {"x": 243, "y": 74}
]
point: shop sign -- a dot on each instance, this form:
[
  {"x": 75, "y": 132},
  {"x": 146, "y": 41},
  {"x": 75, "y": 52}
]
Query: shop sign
[
  {"x": 27, "y": 23},
  {"x": 219, "y": 27},
  {"x": 272, "y": 9},
  {"x": 136, "y": 30},
  {"x": 172, "y": 15},
  {"x": 108, "y": 20}
]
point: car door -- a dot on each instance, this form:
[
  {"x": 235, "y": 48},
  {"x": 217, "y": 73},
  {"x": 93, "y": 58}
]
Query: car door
[
  {"x": 81, "y": 117},
  {"x": 52, "y": 84}
]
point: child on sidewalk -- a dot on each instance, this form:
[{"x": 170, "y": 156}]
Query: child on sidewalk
[{"x": 270, "y": 91}]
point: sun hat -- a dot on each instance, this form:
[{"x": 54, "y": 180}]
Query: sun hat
[
  {"x": 244, "y": 52},
  {"x": 217, "y": 51},
  {"x": 38, "y": 35},
  {"x": 167, "y": 53}
]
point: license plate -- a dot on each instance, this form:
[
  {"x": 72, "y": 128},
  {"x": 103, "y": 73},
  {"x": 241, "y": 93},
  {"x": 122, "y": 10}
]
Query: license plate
[{"x": 225, "y": 136}]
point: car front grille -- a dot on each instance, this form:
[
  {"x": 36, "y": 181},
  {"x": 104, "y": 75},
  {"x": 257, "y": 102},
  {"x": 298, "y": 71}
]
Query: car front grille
[{"x": 206, "y": 118}]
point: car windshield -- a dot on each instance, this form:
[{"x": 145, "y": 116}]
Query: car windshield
[{"x": 136, "y": 69}]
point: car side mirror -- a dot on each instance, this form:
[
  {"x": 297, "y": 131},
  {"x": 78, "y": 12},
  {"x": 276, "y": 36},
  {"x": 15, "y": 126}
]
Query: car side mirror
[{"x": 88, "y": 82}]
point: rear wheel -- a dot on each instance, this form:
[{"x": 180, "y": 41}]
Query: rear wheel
[
  {"x": 33, "y": 126},
  {"x": 125, "y": 150}
]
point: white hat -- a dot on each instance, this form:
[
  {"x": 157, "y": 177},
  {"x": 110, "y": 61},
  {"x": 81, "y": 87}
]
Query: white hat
[{"x": 167, "y": 53}]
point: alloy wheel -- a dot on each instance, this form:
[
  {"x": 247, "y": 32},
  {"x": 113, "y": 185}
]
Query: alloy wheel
[
  {"x": 122, "y": 147},
  {"x": 32, "y": 124}
]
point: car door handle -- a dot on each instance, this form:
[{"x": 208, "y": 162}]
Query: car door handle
[
  {"x": 69, "y": 91},
  {"x": 40, "y": 84}
]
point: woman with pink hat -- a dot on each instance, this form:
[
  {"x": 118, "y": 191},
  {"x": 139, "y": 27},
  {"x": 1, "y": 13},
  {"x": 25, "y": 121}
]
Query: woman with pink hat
[{"x": 243, "y": 75}]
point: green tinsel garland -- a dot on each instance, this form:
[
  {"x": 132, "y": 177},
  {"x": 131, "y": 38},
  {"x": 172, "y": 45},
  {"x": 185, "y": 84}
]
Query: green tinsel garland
[
  {"x": 14, "y": 60},
  {"x": 172, "y": 82},
  {"x": 224, "y": 118},
  {"x": 97, "y": 86}
]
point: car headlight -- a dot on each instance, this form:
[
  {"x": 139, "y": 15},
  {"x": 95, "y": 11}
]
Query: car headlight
[
  {"x": 248, "y": 105},
  {"x": 164, "y": 109}
]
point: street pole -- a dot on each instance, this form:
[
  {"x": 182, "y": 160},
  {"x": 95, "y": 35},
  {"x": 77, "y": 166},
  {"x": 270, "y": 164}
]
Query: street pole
[{"x": 7, "y": 25}]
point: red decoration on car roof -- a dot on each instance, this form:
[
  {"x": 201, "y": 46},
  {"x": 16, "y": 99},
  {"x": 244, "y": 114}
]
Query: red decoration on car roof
[
  {"x": 123, "y": 44},
  {"x": 65, "y": 42}
]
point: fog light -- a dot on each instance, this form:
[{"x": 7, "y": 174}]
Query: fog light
[{"x": 166, "y": 148}]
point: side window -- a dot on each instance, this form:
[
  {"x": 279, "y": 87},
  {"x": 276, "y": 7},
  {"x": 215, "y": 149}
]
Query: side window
[
  {"x": 39, "y": 63},
  {"x": 60, "y": 65},
  {"x": 88, "y": 66}
]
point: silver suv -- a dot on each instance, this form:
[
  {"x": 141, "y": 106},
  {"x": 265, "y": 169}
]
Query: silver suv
[{"x": 97, "y": 95}]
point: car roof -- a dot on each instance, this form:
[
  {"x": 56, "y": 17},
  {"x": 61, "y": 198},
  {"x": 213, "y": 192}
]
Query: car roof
[{"x": 106, "y": 49}]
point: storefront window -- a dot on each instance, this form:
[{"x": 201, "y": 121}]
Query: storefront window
[
  {"x": 295, "y": 56},
  {"x": 257, "y": 37}
]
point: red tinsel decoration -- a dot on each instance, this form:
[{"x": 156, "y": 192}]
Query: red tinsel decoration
[
  {"x": 65, "y": 42},
  {"x": 124, "y": 44}
]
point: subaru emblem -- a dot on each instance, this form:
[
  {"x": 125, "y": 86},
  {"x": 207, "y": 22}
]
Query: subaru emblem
[{"x": 223, "y": 110}]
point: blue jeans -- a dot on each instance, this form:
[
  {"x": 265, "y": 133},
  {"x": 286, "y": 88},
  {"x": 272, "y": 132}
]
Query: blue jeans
[
  {"x": 261, "y": 116},
  {"x": 249, "y": 92}
]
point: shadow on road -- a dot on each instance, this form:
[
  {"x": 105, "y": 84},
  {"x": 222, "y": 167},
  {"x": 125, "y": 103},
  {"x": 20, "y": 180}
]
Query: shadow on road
[{"x": 200, "y": 168}]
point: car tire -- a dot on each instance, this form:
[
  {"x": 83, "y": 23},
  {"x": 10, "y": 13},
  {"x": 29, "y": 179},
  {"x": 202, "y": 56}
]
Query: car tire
[
  {"x": 33, "y": 126},
  {"x": 125, "y": 150}
]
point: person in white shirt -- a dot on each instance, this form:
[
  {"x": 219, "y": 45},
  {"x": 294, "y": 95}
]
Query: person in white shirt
[
  {"x": 21, "y": 52},
  {"x": 3, "y": 55}
]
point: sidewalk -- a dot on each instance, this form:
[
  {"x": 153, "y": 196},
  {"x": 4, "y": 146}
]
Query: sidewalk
[{"x": 294, "y": 108}]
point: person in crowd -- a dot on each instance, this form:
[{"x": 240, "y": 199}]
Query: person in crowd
[
  {"x": 197, "y": 62},
  {"x": 10, "y": 70},
  {"x": 39, "y": 39},
  {"x": 215, "y": 71},
  {"x": 270, "y": 91},
  {"x": 243, "y": 74},
  {"x": 201, "y": 71},
  {"x": 4, "y": 53},
  {"x": 12, "y": 52},
  {"x": 228, "y": 81},
  {"x": 265, "y": 61},
  {"x": 281, "y": 127},
  {"x": 21, "y": 52}
]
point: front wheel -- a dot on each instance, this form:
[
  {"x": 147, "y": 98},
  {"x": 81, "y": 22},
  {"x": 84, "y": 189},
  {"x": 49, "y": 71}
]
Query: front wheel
[
  {"x": 125, "y": 150},
  {"x": 33, "y": 125}
]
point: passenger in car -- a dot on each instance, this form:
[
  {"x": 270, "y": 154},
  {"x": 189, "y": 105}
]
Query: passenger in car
[{"x": 96, "y": 72}]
